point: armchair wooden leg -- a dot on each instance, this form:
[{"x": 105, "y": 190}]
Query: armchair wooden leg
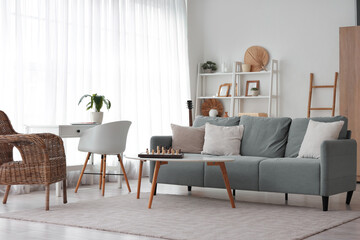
[
  {"x": 64, "y": 191},
  {"x": 82, "y": 172},
  {"x": 101, "y": 170},
  {"x": 6, "y": 194},
  {"x": 123, "y": 169},
  {"x": 103, "y": 175},
  {"x": 47, "y": 200}
]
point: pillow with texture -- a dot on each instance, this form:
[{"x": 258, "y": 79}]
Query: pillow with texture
[
  {"x": 222, "y": 140},
  {"x": 316, "y": 134},
  {"x": 188, "y": 139}
]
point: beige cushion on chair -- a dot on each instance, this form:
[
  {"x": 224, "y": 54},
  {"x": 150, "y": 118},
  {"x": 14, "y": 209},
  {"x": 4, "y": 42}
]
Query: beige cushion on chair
[{"x": 188, "y": 139}]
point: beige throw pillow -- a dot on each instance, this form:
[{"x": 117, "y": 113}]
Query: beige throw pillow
[
  {"x": 316, "y": 134},
  {"x": 188, "y": 139},
  {"x": 222, "y": 140}
]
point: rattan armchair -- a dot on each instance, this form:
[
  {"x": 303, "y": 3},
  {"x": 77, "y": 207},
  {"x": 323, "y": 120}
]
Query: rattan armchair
[{"x": 43, "y": 159}]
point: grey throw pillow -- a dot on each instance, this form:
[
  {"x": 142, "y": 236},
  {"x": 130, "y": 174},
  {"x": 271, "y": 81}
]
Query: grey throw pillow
[
  {"x": 219, "y": 121},
  {"x": 188, "y": 139},
  {"x": 264, "y": 137},
  {"x": 298, "y": 129}
]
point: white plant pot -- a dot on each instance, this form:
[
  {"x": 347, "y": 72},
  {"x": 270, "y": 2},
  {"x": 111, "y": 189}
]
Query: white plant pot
[
  {"x": 97, "y": 117},
  {"x": 254, "y": 92}
]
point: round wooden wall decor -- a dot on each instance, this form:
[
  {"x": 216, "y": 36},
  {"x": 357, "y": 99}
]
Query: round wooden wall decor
[
  {"x": 212, "y": 104},
  {"x": 257, "y": 57}
]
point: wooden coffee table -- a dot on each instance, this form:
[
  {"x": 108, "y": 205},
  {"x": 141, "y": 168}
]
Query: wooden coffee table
[{"x": 210, "y": 161}]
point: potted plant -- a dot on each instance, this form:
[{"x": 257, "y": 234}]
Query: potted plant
[
  {"x": 96, "y": 102},
  {"x": 209, "y": 67},
  {"x": 254, "y": 91}
]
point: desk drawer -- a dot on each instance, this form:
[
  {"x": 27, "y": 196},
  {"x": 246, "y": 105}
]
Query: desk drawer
[{"x": 73, "y": 131}]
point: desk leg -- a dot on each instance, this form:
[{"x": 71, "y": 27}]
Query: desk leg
[
  {"x": 153, "y": 186},
  {"x": 139, "y": 179},
  {"x": 92, "y": 169},
  {"x": 58, "y": 189}
]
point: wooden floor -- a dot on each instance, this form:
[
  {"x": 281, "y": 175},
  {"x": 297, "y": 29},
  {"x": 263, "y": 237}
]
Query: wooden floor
[{"x": 13, "y": 229}]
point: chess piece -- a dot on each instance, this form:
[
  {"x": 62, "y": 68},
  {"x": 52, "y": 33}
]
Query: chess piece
[
  {"x": 172, "y": 151},
  {"x": 177, "y": 152},
  {"x": 152, "y": 151},
  {"x": 147, "y": 151},
  {"x": 157, "y": 150},
  {"x": 163, "y": 150}
]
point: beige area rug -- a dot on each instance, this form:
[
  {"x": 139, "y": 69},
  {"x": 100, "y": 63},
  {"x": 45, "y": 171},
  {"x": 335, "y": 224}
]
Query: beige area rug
[{"x": 190, "y": 217}]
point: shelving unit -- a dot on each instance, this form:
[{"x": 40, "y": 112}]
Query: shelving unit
[{"x": 237, "y": 79}]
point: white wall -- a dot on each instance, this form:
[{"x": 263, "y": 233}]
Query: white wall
[{"x": 302, "y": 34}]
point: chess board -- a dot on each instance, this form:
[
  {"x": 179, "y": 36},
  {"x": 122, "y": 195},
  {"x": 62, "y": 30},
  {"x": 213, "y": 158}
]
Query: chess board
[{"x": 160, "y": 155}]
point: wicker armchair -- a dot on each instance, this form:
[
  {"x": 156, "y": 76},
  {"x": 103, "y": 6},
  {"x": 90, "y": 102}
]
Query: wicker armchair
[{"x": 43, "y": 159}]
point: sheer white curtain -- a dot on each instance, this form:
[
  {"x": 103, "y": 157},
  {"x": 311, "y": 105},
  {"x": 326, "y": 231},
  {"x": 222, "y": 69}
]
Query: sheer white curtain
[{"x": 132, "y": 51}]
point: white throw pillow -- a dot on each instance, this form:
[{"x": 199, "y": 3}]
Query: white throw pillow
[
  {"x": 222, "y": 140},
  {"x": 316, "y": 134}
]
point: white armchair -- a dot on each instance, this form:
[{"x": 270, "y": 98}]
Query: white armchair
[{"x": 105, "y": 139}]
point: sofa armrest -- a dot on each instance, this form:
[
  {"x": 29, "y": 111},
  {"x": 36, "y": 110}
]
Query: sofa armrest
[
  {"x": 163, "y": 141},
  {"x": 338, "y": 166}
]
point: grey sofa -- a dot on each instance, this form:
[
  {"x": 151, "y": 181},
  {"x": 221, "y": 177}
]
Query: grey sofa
[{"x": 269, "y": 162}]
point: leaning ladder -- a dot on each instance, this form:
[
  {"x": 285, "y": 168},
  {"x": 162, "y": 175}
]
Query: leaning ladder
[{"x": 322, "y": 86}]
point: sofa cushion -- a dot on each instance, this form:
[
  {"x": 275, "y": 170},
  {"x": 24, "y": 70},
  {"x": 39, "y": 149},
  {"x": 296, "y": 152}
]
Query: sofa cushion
[
  {"x": 222, "y": 140},
  {"x": 219, "y": 121},
  {"x": 264, "y": 137},
  {"x": 243, "y": 174},
  {"x": 180, "y": 173},
  {"x": 188, "y": 139},
  {"x": 298, "y": 129},
  {"x": 287, "y": 175}
]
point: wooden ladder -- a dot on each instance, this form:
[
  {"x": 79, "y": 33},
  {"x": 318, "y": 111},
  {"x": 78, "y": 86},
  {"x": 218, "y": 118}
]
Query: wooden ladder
[{"x": 322, "y": 86}]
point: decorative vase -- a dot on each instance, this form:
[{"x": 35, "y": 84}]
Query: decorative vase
[
  {"x": 213, "y": 113},
  {"x": 226, "y": 115},
  {"x": 208, "y": 71},
  {"x": 254, "y": 92},
  {"x": 246, "y": 67},
  {"x": 97, "y": 117}
]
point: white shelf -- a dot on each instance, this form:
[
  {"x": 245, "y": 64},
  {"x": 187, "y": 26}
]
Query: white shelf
[
  {"x": 216, "y": 74},
  {"x": 252, "y": 97},
  {"x": 208, "y": 97},
  {"x": 238, "y": 79},
  {"x": 252, "y": 73},
  {"x": 236, "y": 97}
]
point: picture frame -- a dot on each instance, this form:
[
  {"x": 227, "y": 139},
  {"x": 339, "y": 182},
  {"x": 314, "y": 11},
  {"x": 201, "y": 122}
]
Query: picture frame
[
  {"x": 236, "y": 90},
  {"x": 251, "y": 84},
  {"x": 224, "y": 90}
]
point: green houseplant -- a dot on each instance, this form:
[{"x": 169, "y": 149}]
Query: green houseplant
[
  {"x": 209, "y": 67},
  {"x": 96, "y": 102}
]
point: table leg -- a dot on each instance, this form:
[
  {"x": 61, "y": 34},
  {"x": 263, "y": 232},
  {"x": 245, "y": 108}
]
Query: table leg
[
  {"x": 226, "y": 179},
  {"x": 227, "y": 183},
  {"x": 139, "y": 179},
  {"x": 156, "y": 172},
  {"x": 153, "y": 186}
]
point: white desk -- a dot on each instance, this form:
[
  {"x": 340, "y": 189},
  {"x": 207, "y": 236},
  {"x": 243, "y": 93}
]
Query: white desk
[{"x": 65, "y": 131}]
